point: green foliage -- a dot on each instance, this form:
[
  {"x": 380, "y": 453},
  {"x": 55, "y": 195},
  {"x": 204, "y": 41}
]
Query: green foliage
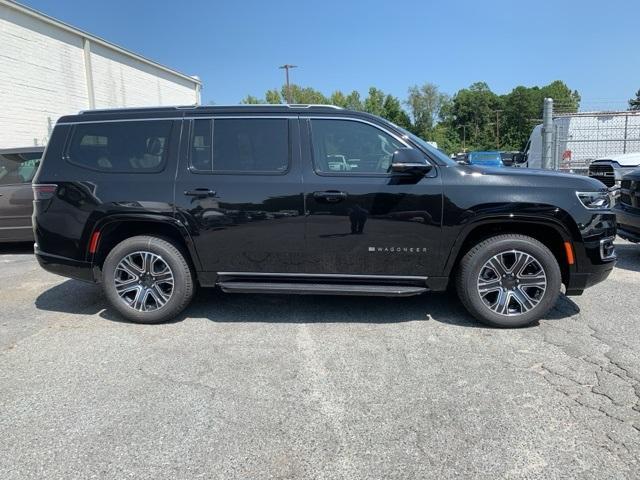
[
  {"x": 374, "y": 103},
  {"x": 634, "y": 103},
  {"x": 251, "y": 100},
  {"x": 475, "y": 118},
  {"x": 426, "y": 104}
]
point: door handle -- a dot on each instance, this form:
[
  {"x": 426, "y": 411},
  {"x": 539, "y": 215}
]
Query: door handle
[
  {"x": 331, "y": 196},
  {"x": 200, "y": 192}
]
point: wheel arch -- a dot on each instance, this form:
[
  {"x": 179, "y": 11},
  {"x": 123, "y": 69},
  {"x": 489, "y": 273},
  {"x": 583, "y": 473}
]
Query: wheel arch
[
  {"x": 115, "y": 228},
  {"x": 550, "y": 232}
]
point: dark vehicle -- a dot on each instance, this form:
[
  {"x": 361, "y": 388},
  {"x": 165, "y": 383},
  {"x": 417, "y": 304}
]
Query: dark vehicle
[
  {"x": 627, "y": 209},
  {"x": 310, "y": 200},
  {"x": 17, "y": 168}
]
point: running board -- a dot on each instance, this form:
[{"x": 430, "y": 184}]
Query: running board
[{"x": 321, "y": 289}]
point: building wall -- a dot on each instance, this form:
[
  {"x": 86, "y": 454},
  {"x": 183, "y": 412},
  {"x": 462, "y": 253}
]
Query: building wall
[
  {"x": 122, "y": 81},
  {"x": 43, "y": 76}
]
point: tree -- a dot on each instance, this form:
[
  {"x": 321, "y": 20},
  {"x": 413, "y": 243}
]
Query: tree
[
  {"x": 634, "y": 103},
  {"x": 273, "y": 96},
  {"x": 392, "y": 111},
  {"x": 425, "y": 104},
  {"x": 476, "y": 108},
  {"x": 304, "y": 95},
  {"x": 374, "y": 103},
  {"x": 564, "y": 100},
  {"x": 251, "y": 100}
]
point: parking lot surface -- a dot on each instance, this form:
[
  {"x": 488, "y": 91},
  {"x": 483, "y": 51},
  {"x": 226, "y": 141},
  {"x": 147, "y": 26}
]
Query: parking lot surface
[{"x": 258, "y": 386}]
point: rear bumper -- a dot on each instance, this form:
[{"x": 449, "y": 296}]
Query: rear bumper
[{"x": 66, "y": 267}]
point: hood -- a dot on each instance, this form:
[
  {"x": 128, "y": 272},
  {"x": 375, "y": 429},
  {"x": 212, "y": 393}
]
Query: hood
[
  {"x": 532, "y": 177},
  {"x": 624, "y": 160},
  {"x": 634, "y": 175}
]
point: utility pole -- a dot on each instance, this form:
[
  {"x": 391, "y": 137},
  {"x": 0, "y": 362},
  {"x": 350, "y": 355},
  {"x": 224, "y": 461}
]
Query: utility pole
[
  {"x": 286, "y": 68},
  {"x": 498, "y": 129},
  {"x": 464, "y": 137}
]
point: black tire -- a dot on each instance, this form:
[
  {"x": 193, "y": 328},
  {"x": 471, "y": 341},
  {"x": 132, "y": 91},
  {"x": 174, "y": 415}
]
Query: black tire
[
  {"x": 472, "y": 266},
  {"x": 183, "y": 281}
]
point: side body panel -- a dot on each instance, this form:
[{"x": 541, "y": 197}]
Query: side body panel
[
  {"x": 249, "y": 222},
  {"x": 384, "y": 225}
]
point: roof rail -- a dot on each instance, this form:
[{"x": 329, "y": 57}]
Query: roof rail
[
  {"x": 125, "y": 109},
  {"x": 310, "y": 105},
  {"x": 184, "y": 107}
]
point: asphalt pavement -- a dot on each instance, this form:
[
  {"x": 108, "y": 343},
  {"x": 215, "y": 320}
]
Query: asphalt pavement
[{"x": 260, "y": 386}]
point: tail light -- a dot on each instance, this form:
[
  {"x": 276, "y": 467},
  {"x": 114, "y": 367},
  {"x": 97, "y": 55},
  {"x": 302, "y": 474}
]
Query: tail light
[{"x": 43, "y": 191}]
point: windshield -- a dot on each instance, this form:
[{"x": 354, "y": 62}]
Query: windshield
[{"x": 436, "y": 152}]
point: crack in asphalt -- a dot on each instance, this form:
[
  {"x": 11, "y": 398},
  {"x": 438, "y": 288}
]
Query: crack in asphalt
[{"x": 598, "y": 388}]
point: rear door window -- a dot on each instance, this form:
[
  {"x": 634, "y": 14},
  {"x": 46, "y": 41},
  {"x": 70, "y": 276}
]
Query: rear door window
[
  {"x": 240, "y": 145},
  {"x": 123, "y": 147}
]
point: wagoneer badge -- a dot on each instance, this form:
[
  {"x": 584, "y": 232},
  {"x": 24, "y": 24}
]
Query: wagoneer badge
[{"x": 398, "y": 249}]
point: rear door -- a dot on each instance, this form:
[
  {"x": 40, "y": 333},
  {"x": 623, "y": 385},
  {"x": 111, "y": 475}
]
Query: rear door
[
  {"x": 239, "y": 190},
  {"x": 16, "y": 198},
  {"x": 361, "y": 219}
]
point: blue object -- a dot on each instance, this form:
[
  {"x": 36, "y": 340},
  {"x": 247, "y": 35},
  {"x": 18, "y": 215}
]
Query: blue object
[{"x": 486, "y": 159}]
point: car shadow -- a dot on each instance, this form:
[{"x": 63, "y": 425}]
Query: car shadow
[
  {"x": 72, "y": 296},
  {"x": 628, "y": 256},
  {"x": 17, "y": 248},
  {"x": 77, "y": 297}
]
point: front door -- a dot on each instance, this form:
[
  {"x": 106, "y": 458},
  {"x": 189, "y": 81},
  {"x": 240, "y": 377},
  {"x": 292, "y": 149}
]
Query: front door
[
  {"x": 16, "y": 197},
  {"x": 361, "y": 219},
  {"x": 239, "y": 189}
]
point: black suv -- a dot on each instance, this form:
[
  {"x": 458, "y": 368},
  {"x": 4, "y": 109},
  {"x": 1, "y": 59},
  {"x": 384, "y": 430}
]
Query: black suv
[
  {"x": 628, "y": 208},
  {"x": 305, "y": 199}
]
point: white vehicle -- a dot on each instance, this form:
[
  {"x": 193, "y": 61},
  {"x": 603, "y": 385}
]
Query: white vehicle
[
  {"x": 581, "y": 138},
  {"x": 611, "y": 169}
]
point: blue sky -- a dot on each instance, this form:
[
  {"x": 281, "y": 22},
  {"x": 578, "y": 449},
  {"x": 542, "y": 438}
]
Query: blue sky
[{"x": 236, "y": 46}]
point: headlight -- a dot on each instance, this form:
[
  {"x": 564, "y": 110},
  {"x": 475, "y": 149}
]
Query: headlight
[{"x": 595, "y": 200}]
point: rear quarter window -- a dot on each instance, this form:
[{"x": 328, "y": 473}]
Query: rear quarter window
[{"x": 120, "y": 147}]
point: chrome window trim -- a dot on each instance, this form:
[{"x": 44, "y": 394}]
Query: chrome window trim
[{"x": 196, "y": 171}]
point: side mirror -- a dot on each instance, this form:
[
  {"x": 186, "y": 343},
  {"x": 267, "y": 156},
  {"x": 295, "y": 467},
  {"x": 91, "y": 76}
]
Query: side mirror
[
  {"x": 409, "y": 160},
  {"x": 519, "y": 158}
]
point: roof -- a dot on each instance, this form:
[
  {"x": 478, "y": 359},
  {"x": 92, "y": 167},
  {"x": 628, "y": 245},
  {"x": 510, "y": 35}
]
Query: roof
[
  {"x": 92, "y": 38},
  {"x": 624, "y": 159},
  {"x": 34, "y": 149}
]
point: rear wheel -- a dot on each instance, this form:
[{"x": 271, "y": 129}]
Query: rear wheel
[
  {"x": 509, "y": 280},
  {"x": 147, "y": 279}
]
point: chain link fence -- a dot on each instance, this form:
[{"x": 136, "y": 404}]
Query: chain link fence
[{"x": 580, "y": 138}]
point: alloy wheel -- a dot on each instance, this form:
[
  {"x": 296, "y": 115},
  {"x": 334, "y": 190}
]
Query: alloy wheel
[
  {"x": 144, "y": 281},
  {"x": 512, "y": 283}
]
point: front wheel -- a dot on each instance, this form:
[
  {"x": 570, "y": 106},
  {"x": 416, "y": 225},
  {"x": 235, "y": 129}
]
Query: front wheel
[
  {"x": 147, "y": 279},
  {"x": 509, "y": 280}
]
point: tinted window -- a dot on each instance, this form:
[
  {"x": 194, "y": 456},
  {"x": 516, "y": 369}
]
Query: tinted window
[
  {"x": 240, "y": 145},
  {"x": 351, "y": 147},
  {"x": 139, "y": 146},
  {"x": 18, "y": 167}
]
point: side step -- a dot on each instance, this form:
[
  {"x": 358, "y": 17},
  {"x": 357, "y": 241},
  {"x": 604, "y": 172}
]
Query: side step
[{"x": 321, "y": 289}]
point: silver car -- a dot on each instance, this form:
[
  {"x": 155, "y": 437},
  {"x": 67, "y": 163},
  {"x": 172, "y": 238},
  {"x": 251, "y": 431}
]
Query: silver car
[{"x": 18, "y": 166}]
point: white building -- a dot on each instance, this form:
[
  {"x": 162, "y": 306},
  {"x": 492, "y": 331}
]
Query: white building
[{"x": 49, "y": 69}]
